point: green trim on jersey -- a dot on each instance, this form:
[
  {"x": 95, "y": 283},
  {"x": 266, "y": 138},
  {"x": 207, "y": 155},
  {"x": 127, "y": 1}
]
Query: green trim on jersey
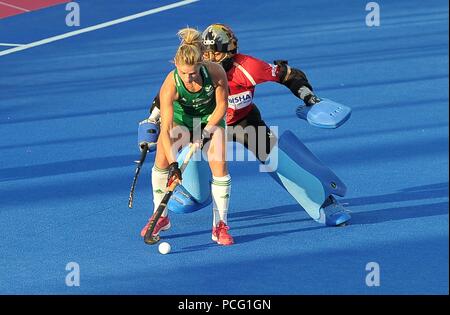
[{"x": 199, "y": 105}]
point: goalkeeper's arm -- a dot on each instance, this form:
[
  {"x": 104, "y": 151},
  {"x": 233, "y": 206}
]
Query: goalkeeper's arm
[{"x": 297, "y": 82}]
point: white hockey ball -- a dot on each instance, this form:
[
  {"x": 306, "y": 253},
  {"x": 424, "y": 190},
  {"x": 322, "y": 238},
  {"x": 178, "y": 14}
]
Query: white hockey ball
[{"x": 164, "y": 248}]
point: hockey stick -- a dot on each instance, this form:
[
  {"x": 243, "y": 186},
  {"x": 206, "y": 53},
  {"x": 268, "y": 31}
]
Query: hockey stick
[
  {"x": 136, "y": 174},
  {"x": 148, "y": 237}
]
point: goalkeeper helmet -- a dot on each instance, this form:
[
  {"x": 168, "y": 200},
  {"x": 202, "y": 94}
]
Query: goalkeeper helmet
[{"x": 220, "y": 38}]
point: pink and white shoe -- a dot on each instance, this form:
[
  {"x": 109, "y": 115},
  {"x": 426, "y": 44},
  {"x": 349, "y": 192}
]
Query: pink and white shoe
[
  {"x": 163, "y": 224},
  {"x": 220, "y": 234}
]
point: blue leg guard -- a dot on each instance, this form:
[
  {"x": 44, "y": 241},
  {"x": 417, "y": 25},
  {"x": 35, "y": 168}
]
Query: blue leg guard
[
  {"x": 308, "y": 180},
  {"x": 195, "y": 192}
]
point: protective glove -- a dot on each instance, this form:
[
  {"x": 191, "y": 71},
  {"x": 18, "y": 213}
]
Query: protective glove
[
  {"x": 174, "y": 173},
  {"x": 311, "y": 99},
  {"x": 308, "y": 96},
  {"x": 148, "y": 134}
]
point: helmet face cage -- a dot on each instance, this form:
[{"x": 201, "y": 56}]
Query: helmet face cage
[{"x": 219, "y": 38}]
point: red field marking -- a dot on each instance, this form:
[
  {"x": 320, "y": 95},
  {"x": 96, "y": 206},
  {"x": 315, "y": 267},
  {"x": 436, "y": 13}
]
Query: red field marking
[
  {"x": 14, "y": 7},
  {"x": 8, "y": 11}
]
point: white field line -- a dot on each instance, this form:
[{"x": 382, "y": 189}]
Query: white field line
[
  {"x": 97, "y": 27},
  {"x": 10, "y": 44},
  {"x": 15, "y": 7}
]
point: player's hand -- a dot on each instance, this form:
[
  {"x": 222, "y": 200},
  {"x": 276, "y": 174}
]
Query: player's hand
[
  {"x": 311, "y": 99},
  {"x": 174, "y": 174},
  {"x": 206, "y": 136}
]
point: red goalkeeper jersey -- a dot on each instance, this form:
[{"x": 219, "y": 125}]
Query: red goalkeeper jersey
[{"x": 243, "y": 77}]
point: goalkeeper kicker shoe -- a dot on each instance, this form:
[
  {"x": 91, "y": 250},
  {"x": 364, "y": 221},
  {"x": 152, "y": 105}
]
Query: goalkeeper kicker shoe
[
  {"x": 332, "y": 213},
  {"x": 163, "y": 224},
  {"x": 220, "y": 234}
]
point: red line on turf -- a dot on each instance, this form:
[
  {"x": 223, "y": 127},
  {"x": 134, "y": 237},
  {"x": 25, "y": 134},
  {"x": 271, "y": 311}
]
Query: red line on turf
[
  {"x": 14, "y": 7},
  {"x": 8, "y": 11}
]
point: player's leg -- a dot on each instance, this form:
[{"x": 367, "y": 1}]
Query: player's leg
[
  {"x": 220, "y": 187},
  {"x": 308, "y": 180},
  {"x": 159, "y": 180}
]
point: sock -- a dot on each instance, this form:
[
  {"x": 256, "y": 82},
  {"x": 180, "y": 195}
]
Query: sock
[
  {"x": 159, "y": 181},
  {"x": 220, "y": 189}
]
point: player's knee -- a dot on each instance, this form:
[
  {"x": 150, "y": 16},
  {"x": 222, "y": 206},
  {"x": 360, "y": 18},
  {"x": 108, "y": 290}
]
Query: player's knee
[
  {"x": 160, "y": 157},
  {"x": 218, "y": 168}
]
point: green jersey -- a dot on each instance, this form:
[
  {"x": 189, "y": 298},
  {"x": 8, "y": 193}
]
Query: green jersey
[{"x": 194, "y": 105}]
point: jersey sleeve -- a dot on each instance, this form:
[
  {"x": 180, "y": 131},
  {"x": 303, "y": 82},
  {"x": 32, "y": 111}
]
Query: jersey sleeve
[{"x": 262, "y": 71}]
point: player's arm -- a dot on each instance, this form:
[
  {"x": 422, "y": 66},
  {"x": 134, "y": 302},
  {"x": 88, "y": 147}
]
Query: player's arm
[
  {"x": 296, "y": 80},
  {"x": 167, "y": 95},
  {"x": 221, "y": 89}
]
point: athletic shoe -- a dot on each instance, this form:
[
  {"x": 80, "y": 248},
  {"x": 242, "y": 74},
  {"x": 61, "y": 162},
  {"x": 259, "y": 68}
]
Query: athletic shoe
[
  {"x": 220, "y": 234},
  {"x": 163, "y": 224}
]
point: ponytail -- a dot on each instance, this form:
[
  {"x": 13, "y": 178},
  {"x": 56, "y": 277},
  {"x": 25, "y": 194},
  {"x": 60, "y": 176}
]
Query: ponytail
[{"x": 190, "y": 51}]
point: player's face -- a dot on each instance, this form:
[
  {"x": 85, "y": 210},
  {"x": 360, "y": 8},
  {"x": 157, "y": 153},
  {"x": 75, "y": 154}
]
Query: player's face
[
  {"x": 214, "y": 56},
  {"x": 189, "y": 73}
]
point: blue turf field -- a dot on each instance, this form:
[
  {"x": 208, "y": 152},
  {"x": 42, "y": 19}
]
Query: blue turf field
[{"x": 68, "y": 122}]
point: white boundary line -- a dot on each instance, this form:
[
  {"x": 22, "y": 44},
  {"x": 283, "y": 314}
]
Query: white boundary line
[
  {"x": 9, "y": 44},
  {"x": 13, "y": 6},
  {"x": 97, "y": 27}
]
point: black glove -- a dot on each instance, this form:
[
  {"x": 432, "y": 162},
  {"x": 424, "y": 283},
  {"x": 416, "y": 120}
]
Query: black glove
[
  {"x": 311, "y": 99},
  {"x": 174, "y": 173},
  {"x": 307, "y": 95},
  {"x": 206, "y": 136}
]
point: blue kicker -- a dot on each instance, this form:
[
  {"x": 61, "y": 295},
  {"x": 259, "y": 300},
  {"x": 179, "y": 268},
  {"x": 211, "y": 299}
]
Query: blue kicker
[
  {"x": 307, "y": 179},
  {"x": 195, "y": 191}
]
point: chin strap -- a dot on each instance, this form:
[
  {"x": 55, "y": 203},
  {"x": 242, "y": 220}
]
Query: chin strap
[{"x": 227, "y": 62}]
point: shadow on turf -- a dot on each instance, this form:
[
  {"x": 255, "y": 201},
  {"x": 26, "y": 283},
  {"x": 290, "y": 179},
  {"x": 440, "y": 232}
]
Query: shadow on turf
[
  {"x": 438, "y": 190},
  {"x": 275, "y": 229}
]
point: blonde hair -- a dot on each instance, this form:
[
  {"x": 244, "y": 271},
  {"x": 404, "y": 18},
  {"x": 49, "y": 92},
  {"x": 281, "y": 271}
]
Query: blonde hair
[{"x": 190, "y": 51}]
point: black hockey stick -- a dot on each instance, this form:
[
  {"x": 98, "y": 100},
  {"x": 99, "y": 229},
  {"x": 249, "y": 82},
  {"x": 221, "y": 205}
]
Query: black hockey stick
[
  {"x": 136, "y": 174},
  {"x": 153, "y": 239}
]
